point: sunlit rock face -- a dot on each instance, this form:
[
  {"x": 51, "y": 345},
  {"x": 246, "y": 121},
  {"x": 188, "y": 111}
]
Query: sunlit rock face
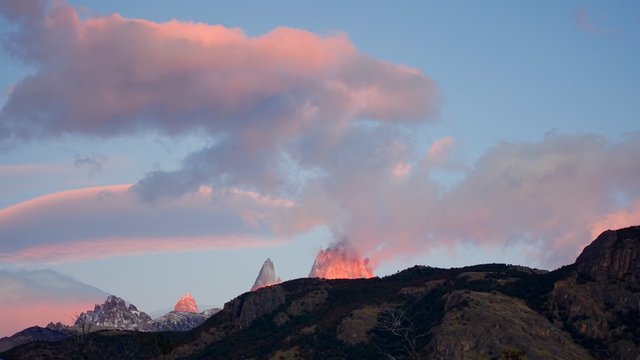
[
  {"x": 186, "y": 304},
  {"x": 340, "y": 261},
  {"x": 266, "y": 277}
]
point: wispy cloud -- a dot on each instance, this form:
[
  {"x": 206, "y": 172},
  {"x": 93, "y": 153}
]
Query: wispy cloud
[
  {"x": 93, "y": 163},
  {"x": 586, "y": 23}
]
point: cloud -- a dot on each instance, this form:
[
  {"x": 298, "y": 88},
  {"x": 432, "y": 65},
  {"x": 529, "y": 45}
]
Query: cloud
[
  {"x": 440, "y": 150},
  {"x": 585, "y": 23},
  {"x": 544, "y": 196},
  {"x": 289, "y": 115},
  {"x": 93, "y": 164},
  {"x": 617, "y": 219},
  {"x": 549, "y": 197},
  {"x": 108, "y": 220},
  {"x": 37, "y": 297},
  {"x": 255, "y": 96}
]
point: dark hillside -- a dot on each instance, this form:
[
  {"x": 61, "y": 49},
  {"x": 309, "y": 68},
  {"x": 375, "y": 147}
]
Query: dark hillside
[{"x": 494, "y": 311}]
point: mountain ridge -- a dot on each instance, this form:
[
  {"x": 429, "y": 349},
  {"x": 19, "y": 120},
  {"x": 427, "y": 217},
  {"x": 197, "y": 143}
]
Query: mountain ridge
[{"x": 585, "y": 310}]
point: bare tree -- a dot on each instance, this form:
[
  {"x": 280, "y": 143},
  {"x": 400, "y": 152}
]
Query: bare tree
[
  {"x": 398, "y": 323},
  {"x": 81, "y": 342}
]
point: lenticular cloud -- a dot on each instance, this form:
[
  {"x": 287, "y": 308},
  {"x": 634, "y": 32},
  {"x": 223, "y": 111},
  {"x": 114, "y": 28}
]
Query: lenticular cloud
[{"x": 108, "y": 220}]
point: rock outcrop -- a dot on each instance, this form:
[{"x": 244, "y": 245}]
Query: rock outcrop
[
  {"x": 614, "y": 255},
  {"x": 254, "y": 305},
  {"x": 266, "y": 276},
  {"x": 599, "y": 301},
  {"x": 479, "y": 325}
]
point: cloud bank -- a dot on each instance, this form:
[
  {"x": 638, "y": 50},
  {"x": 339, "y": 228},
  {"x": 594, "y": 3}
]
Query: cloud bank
[
  {"x": 37, "y": 297},
  {"x": 317, "y": 132}
]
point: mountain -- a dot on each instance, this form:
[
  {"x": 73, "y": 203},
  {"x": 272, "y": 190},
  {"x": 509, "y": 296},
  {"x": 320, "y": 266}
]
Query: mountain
[
  {"x": 164, "y": 311},
  {"x": 181, "y": 320},
  {"x": 186, "y": 304},
  {"x": 266, "y": 276},
  {"x": 586, "y": 310},
  {"x": 599, "y": 301},
  {"x": 185, "y": 316},
  {"x": 34, "y": 333},
  {"x": 115, "y": 314},
  {"x": 340, "y": 261},
  {"x": 37, "y": 297}
]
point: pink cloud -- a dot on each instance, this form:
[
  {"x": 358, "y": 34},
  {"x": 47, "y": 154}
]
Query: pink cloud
[
  {"x": 108, "y": 220},
  {"x": 439, "y": 150},
  {"x": 586, "y": 24},
  {"x": 262, "y": 98},
  {"x": 16, "y": 317},
  {"x": 401, "y": 170},
  {"x": 617, "y": 219},
  {"x": 101, "y": 248},
  {"x": 179, "y": 76},
  {"x": 542, "y": 196}
]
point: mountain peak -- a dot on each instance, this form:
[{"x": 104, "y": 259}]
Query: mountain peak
[
  {"x": 266, "y": 277},
  {"x": 340, "y": 261},
  {"x": 112, "y": 299},
  {"x": 614, "y": 254},
  {"x": 186, "y": 304},
  {"x": 115, "y": 314}
]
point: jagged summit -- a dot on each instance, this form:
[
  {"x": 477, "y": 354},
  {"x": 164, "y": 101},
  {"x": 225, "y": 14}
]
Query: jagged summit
[
  {"x": 340, "y": 261},
  {"x": 186, "y": 304},
  {"x": 115, "y": 314},
  {"x": 266, "y": 277}
]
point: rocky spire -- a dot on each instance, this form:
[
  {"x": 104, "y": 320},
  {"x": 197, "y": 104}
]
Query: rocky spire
[
  {"x": 266, "y": 277},
  {"x": 340, "y": 261},
  {"x": 186, "y": 304}
]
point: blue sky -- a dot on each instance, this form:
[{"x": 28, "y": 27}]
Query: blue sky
[{"x": 507, "y": 73}]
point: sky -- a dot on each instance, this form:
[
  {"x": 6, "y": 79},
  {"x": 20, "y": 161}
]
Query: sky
[{"x": 154, "y": 148}]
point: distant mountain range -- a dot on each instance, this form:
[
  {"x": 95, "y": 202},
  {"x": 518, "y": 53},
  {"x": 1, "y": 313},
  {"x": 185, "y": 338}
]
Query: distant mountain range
[
  {"x": 113, "y": 314},
  {"x": 586, "y": 310},
  {"x": 30, "y": 297}
]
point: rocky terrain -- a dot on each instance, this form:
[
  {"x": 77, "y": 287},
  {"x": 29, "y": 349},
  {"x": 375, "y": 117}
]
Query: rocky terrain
[
  {"x": 586, "y": 310},
  {"x": 115, "y": 314}
]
